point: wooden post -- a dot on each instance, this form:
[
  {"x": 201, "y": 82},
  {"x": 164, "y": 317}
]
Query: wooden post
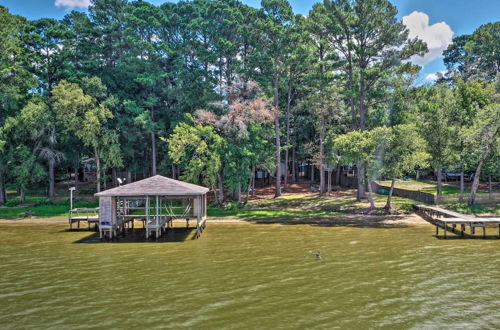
[
  {"x": 437, "y": 229},
  {"x": 198, "y": 215},
  {"x": 147, "y": 216},
  {"x": 157, "y": 216}
]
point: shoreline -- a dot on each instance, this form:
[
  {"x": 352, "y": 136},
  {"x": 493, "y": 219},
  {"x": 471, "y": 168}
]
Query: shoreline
[{"x": 363, "y": 220}]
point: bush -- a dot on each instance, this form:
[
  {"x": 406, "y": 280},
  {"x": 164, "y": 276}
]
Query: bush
[{"x": 13, "y": 202}]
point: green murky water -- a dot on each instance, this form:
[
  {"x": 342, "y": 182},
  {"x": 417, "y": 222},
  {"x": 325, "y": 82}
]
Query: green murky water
[{"x": 249, "y": 276}]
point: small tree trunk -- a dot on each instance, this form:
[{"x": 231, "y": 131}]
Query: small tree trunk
[
  {"x": 3, "y": 195},
  {"x": 439, "y": 183},
  {"x": 52, "y": 179},
  {"x": 312, "y": 174},
  {"x": 114, "y": 177},
  {"x": 253, "y": 181},
  {"x": 98, "y": 169},
  {"x": 490, "y": 187},
  {"x": 294, "y": 167},
  {"x": 238, "y": 193},
  {"x": 361, "y": 181},
  {"x": 337, "y": 175},
  {"x": 22, "y": 196},
  {"x": 277, "y": 132},
  {"x": 153, "y": 154},
  {"x": 329, "y": 181},
  {"x": 173, "y": 172},
  {"x": 129, "y": 176},
  {"x": 388, "y": 205},
  {"x": 462, "y": 185},
  {"x": 370, "y": 197},
  {"x": 322, "y": 158}
]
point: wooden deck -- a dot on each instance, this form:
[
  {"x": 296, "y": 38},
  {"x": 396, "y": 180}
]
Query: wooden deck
[
  {"x": 450, "y": 220},
  {"x": 88, "y": 215}
]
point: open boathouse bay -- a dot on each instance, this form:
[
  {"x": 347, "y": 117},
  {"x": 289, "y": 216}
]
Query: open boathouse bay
[{"x": 245, "y": 276}]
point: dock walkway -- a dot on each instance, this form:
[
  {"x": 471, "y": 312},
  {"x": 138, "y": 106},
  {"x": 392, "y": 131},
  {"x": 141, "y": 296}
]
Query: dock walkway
[{"x": 443, "y": 218}]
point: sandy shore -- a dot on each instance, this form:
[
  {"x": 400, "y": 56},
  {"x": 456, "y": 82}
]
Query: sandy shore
[{"x": 355, "y": 219}]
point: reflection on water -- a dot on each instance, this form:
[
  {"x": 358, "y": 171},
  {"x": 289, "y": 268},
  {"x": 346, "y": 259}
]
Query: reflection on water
[{"x": 248, "y": 276}]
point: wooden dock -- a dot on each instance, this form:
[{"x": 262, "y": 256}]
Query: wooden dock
[
  {"x": 88, "y": 215},
  {"x": 450, "y": 220}
]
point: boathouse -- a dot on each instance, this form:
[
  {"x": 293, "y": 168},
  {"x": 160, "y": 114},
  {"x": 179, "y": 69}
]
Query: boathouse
[{"x": 156, "y": 201}]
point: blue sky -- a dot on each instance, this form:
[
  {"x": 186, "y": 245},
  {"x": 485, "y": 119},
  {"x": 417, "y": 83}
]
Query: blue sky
[{"x": 437, "y": 21}]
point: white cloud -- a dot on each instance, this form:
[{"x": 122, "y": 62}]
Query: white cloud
[
  {"x": 72, "y": 3},
  {"x": 437, "y": 36},
  {"x": 435, "y": 76}
]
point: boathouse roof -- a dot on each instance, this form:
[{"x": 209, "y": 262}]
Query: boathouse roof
[{"x": 155, "y": 186}]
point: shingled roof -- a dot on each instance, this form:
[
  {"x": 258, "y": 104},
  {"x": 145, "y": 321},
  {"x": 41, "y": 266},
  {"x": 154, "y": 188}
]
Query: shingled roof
[{"x": 155, "y": 186}]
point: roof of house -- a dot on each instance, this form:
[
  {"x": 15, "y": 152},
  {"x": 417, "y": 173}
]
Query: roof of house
[{"x": 155, "y": 186}]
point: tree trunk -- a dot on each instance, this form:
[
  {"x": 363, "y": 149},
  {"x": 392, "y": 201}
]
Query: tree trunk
[
  {"x": 312, "y": 173},
  {"x": 277, "y": 131},
  {"x": 288, "y": 104},
  {"x": 388, "y": 205},
  {"x": 3, "y": 195},
  {"x": 114, "y": 177},
  {"x": 475, "y": 182},
  {"x": 329, "y": 181},
  {"x": 490, "y": 187},
  {"x": 462, "y": 185},
  {"x": 129, "y": 176},
  {"x": 173, "y": 172},
  {"x": 370, "y": 196},
  {"x": 439, "y": 183},
  {"x": 22, "y": 196},
  {"x": 294, "y": 166},
  {"x": 361, "y": 181},
  {"x": 153, "y": 154},
  {"x": 362, "y": 105},
  {"x": 238, "y": 193},
  {"x": 337, "y": 175},
  {"x": 253, "y": 181},
  {"x": 98, "y": 169},
  {"x": 322, "y": 159},
  {"x": 52, "y": 179}
]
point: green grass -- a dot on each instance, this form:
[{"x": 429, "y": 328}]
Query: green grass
[
  {"x": 427, "y": 186},
  {"x": 475, "y": 209},
  {"x": 44, "y": 211},
  {"x": 294, "y": 206}
]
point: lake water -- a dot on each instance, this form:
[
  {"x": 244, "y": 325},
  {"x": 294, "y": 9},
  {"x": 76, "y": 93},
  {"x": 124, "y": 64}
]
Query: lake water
[{"x": 240, "y": 276}]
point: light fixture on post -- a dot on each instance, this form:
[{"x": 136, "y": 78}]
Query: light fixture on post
[{"x": 71, "y": 197}]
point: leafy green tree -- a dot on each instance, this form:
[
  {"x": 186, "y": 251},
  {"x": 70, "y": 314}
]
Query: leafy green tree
[
  {"x": 404, "y": 151},
  {"x": 15, "y": 79},
  {"x": 484, "y": 135},
  {"x": 86, "y": 117},
  {"x": 243, "y": 124},
  {"x": 372, "y": 45},
  {"x": 276, "y": 22},
  {"x": 472, "y": 95},
  {"x": 363, "y": 146},
  {"x": 436, "y": 107},
  {"x": 475, "y": 56},
  {"x": 199, "y": 152}
]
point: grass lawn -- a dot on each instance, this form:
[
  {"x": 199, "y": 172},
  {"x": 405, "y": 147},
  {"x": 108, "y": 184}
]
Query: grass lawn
[
  {"x": 303, "y": 205},
  {"x": 289, "y": 206},
  {"x": 428, "y": 186},
  {"x": 44, "y": 211},
  {"x": 493, "y": 209}
]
